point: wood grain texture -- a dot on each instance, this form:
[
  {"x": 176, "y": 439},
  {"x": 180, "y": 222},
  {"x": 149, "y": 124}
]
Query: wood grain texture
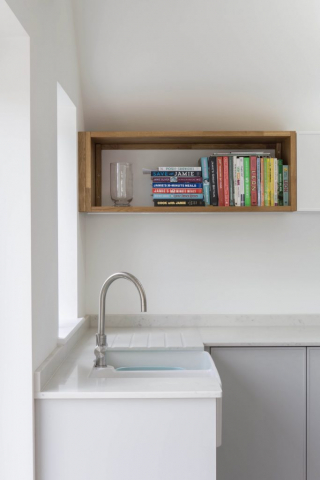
[
  {"x": 98, "y": 192},
  {"x": 82, "y": 136},
  {"x": 208, "y": 209},
  {"x": 191, "y": 137},
  {"x": 289, "y": 155},
  {"x": 293, "y": 174},
  {"x": 89, "y": 173}
]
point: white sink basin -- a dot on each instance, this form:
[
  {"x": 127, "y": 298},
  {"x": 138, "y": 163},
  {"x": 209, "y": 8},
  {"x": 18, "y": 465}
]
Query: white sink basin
[{"x": 157, "y": 364}]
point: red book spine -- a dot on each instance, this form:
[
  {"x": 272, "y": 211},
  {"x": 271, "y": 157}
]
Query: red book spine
[
  {"x": 253, "y": 180},
  {"x": 220, "y": 181},
  {"x": 226, "y": 181},
  {"x": 177, "y": 190}
]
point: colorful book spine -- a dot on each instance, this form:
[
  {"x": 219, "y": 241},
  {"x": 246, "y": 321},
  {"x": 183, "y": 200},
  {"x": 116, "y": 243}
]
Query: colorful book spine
[
  {"x": 235, "y": 181},
  {"x": 213, "y": 181},
  {"x": 247, "y": 195},
  {"x": 176, "y": 173},
  {"x": 174, "y": 179},
  {"x": 177, "y": 190},
  {"x": 275, "y": 182},
  {"x": 231, "y": 182},
  {"x": 280, "y": 182},
  {"x": 204, "y": 167},
  {"x": 179, "y": 169},
  {"x": 205, "y": 175},
  {"x": 262, "y": 160},
  {"x": 173, "y": 196},
  {"x": 242, "y": 197},
  {"x": 253, "y": 181},
  {"x": 206, "y": 192},
  {"x": 285, "y": 185},
  {"x": 180, "y": 185},
  {"x": 220, "y": 181},
  {"x": 178, "y": 203},
  {"x": 271, "y": 180},
  {"x": 226, "y": 181},
  {"x": 259, "y": 180},
  {"x": 266, "y": 182}
]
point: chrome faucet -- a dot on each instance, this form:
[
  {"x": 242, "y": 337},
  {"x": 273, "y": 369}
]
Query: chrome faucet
[{"x": 101, "y": 339}]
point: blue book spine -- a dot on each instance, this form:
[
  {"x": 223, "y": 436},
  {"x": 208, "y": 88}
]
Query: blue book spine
[
  {"x": 206, "y": 192},
  {"x": 179, "y": 173},
  {"x": 177, "y": 185},
  {"x": 176, "y": 196},
  {"x": 259, "y": 181},
  {"x": 285, "y": 185},
  {"x": 156, "y": 173},
  {"x": 204, "y": 168}
]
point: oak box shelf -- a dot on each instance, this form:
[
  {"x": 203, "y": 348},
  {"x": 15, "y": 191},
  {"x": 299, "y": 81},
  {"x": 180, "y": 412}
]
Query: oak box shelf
[{"x": 91, "y": 145}]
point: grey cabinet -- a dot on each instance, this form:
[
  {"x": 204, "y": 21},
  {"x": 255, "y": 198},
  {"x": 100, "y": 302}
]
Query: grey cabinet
[
  {"x": 263, "y": 413},
  {"x": 313, "y": 413}
]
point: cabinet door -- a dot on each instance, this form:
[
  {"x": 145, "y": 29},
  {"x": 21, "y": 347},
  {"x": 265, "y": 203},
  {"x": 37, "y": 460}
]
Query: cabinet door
[
  {"x": 313, "y": 414},
  {"x": 263, "y": 413},
  {"x": 308, "y": 171}
]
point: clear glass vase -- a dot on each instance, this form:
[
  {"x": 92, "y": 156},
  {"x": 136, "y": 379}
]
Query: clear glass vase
[{"x": 121, "y": 184}]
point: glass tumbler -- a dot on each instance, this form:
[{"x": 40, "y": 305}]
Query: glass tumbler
[{"x": 121, "y": 184}]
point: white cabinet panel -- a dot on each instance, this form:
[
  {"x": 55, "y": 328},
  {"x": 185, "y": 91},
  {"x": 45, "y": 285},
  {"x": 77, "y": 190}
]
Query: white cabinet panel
[
  {"x": 308, "y": 171},
  {"x": 313, "y": 414},
  {"x": 263, "y": 414}
]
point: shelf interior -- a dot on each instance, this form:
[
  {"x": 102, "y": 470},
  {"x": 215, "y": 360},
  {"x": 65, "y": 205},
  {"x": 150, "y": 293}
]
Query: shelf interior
[{"x": 93, "y": 172}]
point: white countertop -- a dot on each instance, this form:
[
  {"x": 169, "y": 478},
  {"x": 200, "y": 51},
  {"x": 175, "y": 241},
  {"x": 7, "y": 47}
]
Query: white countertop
[
  {"x": 306, "y": 336},
  {"x": 72, "y": 379},
  {"x": 67, "y": 375}
]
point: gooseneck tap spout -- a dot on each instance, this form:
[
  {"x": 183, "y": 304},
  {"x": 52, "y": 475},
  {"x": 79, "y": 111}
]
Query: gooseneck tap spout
[{"x": 101, "y": 339}]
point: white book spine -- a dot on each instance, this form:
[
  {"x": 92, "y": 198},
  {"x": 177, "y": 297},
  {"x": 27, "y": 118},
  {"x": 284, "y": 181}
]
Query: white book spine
[
  {"x": 234, "y": 165},
  {"x": 183, "y": 169},
  {"x": 241, "y": 183}
]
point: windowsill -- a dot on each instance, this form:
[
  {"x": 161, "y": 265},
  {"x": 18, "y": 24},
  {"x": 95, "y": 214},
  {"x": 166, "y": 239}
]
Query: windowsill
[{"x": 67, "y": 328}]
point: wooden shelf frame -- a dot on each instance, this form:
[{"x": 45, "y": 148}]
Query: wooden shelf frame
[{"x": 91, "y": 145}]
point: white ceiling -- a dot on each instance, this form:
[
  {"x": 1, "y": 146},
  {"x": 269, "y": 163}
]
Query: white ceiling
[{"x": 199, "y": 64}]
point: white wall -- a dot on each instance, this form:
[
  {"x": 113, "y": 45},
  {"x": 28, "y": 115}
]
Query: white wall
[
  {"x": 221, "y": 263},
  {"x": 202, "y": 65},
  {"x": 67, "y": 207},
  {"x": 16, "y": 396},
  {"x": 53, "y": 59}
]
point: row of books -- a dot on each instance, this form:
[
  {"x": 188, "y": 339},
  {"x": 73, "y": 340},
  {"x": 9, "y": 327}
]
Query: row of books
[
  {"x": 177, "y": 186},
  {"x": 244, "y": 181},
  {"x": 223, "y": 180}
]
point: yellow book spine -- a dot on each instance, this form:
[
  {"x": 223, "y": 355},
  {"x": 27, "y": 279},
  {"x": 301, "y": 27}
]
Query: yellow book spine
[{"x": 272, "y": 182}]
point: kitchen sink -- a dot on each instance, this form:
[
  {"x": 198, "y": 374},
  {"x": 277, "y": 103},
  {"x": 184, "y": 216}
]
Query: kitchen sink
[{"x": 168, "y": 363}]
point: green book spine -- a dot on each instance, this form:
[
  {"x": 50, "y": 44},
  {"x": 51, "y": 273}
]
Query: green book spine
[
  {"x": 285, "y": 185},
  {"x": 266, "y": 182},
  {"x": 231, "y": 183},
  {"x": 247, "y": 190},
  {"x": 280, "y": 182}
]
